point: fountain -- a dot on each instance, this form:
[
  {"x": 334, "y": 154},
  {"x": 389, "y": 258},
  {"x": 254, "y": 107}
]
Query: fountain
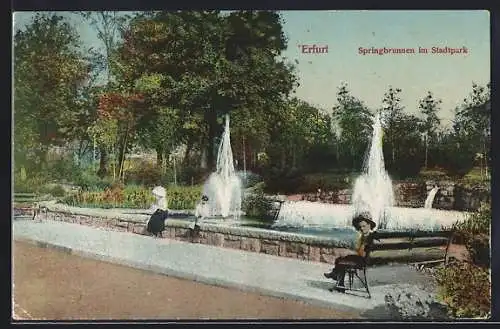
[
  {"x": 372, "y": 192},
  {"x": 373, "y": 189},
  {"x": 430, "y": 198},
  {"x": 223, "y": 187}
]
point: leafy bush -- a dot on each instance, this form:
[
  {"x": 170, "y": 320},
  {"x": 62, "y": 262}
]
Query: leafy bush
[
  {"x": 111, "y": 197},
  {"x": 191, "y": 175},
  {"x": 54, "y": 190},
  {"x": 134, "y": 196},
  {"x": 144, "y": 173},
  {"x": 466, "y": 289},
  {"x": 29, "y": 184},
  {"x": 250, "y": 179},
  {"x": 405, "y": 167},
  {"x": 278, "y": 181},
  {"x": 475, "y": 232},
  {"x": 90, "y": 181},
  {"x": 63, "y": 169},
  {"x": 256, "y": 205},
  {"x": 294, "y": 181},
  {"x": 183, "y": 197},
  {"x": 465, "y": 286}
]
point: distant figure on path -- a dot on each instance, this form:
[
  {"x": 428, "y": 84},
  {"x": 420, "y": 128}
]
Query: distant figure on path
[{"x": 364, "y": 225}]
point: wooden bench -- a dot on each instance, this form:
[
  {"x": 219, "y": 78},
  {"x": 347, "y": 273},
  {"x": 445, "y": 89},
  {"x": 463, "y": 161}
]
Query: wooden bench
[
  {"x": 26, "y": 203},
  {"x": 419, "y": 248}
]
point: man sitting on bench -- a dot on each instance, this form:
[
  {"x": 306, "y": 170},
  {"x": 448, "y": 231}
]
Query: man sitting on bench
[{"x": 364, "y": 225}]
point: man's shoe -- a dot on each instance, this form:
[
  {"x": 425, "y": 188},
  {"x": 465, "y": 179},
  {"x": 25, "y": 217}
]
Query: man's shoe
[
  {"x": 340, "y": 289},
  {"x": 331, "y": 275}
]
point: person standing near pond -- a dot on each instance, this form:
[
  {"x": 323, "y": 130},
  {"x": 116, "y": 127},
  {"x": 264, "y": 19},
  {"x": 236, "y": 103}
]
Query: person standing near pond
[{"x": 364, "y": 225}]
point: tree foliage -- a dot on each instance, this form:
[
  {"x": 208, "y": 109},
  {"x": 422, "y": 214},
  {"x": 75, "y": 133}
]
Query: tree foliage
[
  {"x": 49, "y": 69},
  {"x": 171, "y": 77}
]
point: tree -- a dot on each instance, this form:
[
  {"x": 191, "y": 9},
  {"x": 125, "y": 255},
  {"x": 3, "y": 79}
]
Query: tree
[
  {"x": 299, "y": 132},
  {"x": 210, "y": 65},
  {"x": 428, "y": 108},
  {"x": 49, "y": 69},
  {"x": 354, "y": 120},
  {"x": 108, "y": 25},
  {"x": 158, "y": 127},
  {"x": 472, "y": 124},
  {"x": 407, "y": 135},
  {"x": 121, "y": 111},
  {"x": 392, "y": 112}
]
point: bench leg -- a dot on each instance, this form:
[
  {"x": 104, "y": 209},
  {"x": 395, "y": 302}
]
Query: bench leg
[{"x": 365, "y": 282}]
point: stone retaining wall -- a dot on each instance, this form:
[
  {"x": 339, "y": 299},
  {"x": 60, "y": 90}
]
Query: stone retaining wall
[
  {"x": 249, "y": 239},
  {"x": 450, "y": 196}
]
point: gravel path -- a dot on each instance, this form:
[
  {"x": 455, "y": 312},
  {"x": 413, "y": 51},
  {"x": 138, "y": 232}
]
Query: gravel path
[
  {"x": 54, "y": 285},
  {"x": 251, "y": 272}
]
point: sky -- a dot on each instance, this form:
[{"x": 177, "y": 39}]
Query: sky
[{"x": 448, "y": 77}]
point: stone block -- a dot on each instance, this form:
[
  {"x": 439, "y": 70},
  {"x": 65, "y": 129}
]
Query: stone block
[
  {"x": 232, "y": 243},
  {"x": 324, "y": 258},
  {"x": 216, "y": 239},
  {"x": 110, "y": 222},
  {"x": 231, "y": 237},
  {"x": 170, "y": 232},
  {"x": 250, "y": 244},
  {"x": 303, "y": 249},
  {"x": 139, "y": 229},
  {"x": 84, "y": 220},
  {"x": 121, "y": 225},
  {"x": 283, "y": 249},
  {"x": 269, "y": 247},
  {"x": 302, "y": 256},
  {"x": 180, "y": 232},
  {"x": 326, "y": 251},
  {"x": 203, "y": 240},
  {"x": 314, "y": 253}
]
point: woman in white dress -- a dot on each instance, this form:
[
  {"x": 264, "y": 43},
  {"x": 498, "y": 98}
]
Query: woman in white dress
[
  {"x": 160, "y": 199},
  {"x": 158, "y": 211}
]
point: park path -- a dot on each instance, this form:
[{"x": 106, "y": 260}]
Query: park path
[
  {"x": 88, "y": 289},
  {"x": 252, "y": 272}
]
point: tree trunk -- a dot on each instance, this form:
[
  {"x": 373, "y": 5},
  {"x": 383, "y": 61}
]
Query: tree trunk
[
  {"x": 121, "y": 155},
  {"x": 393, "y": 150},
  {"x": 85, "y": 149},
  {"x": 212, "y": 129},
  {"x": 244, "y": 156},
  {"x": 189, "y": 147},
  {"x": 103, "y": 162},
  {"x": 426, "y": 152},
  {"x": 159, "y": 157}
]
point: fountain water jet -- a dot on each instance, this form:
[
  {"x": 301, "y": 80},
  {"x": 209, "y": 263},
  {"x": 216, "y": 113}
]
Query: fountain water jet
[
  {"x": 430, "y": 198},
  {"x": 373, "y": 189},
  {"x": 223, "y": 187}
]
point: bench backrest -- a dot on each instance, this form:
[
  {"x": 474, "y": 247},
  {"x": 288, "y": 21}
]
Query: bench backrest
[{"x": 404, "y": 246}]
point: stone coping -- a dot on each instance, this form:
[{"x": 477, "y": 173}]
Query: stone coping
[{"x": 137, "y": 216}]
